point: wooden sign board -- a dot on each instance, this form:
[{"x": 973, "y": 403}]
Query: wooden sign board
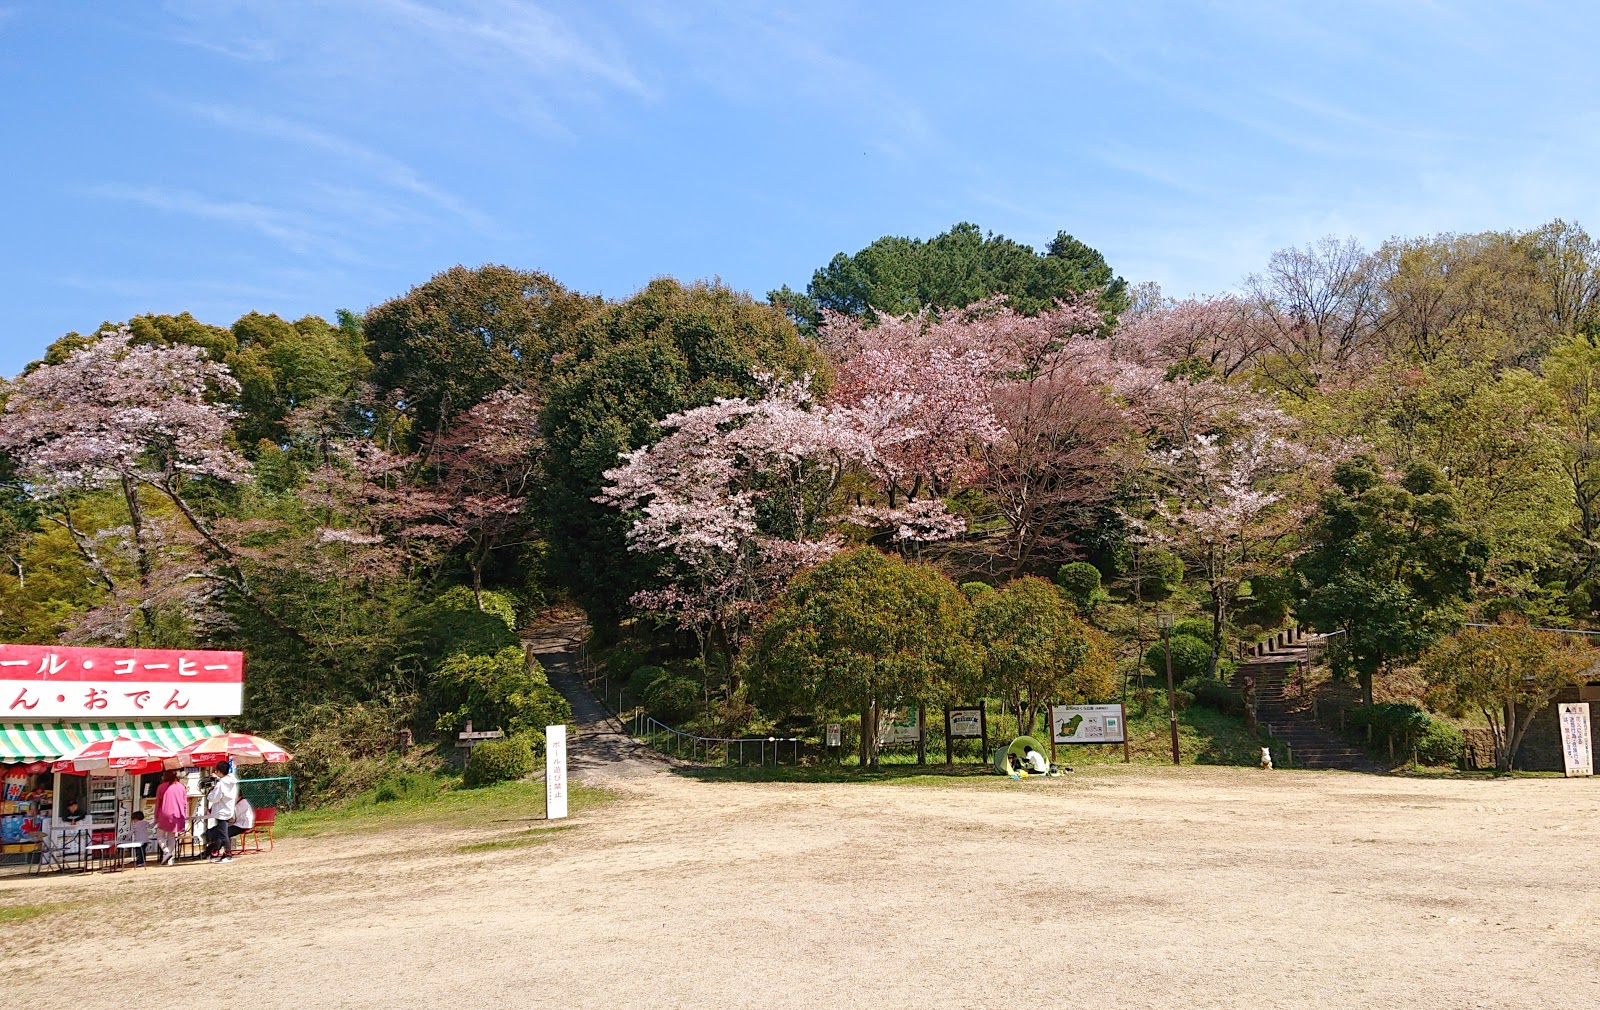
[
  {"x": 1577, "y": 741},
  {"x": 555, "y": 772},
  {"x": 966, "y": 723}
]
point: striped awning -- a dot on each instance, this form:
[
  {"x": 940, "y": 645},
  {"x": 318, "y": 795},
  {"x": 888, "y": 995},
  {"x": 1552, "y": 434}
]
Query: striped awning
[{"x": 22, "y": 741}]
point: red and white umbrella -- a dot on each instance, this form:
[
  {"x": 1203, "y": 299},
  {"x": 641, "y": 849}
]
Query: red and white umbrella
[
  {"x": 241, "y": 747},
  {"x": 118, "y": 754}
]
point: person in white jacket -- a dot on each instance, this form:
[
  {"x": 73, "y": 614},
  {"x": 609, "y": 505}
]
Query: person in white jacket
[{"x": 220, "y": 802}]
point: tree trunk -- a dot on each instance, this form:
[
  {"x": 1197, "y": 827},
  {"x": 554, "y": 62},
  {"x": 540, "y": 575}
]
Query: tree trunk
[
  {"x": 870, "y": 733},
  {"x": 1217, "y": 605},
  {"x": 1366, "y": 687},
  {"x": 130, "y": 495}
]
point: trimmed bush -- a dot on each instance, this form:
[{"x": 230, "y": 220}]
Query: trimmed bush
[
  {"x": 976, "y": 589},
  {"x": 1213, "y": 693},
  {"x": 641, "y": 680},
  {"x": 674, "y": 699},
  {"x": 1440, "y": 744},
  {"x": 1160, "y": 575},
  {"x": 1194, "y": 627},
  {"x": 1190, "y": 658},
  {"x": 1081, "y": 582},
  {"x": 505, "y": 760}
]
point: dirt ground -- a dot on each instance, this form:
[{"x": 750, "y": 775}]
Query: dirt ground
[{"x": 1198, "y": 888}]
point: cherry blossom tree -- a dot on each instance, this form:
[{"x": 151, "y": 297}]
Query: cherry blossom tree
[
  {"x": 120, "y": 415},
  {"x": 485, "y": 466},
  {"x": 741, "y": 494},
  {"x": 1222, "y": 335},
  {"x": 1223, "y": 503}
]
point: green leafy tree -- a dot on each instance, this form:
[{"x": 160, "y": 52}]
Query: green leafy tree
[
  {"x": 1036, "y": 651},
  {"x": 671, "y": 347},
  {"x": 953, "y": 270},
  {"x": 447, "y": 344},
  {"x": 859, "y": 632},
  {"x": 1386, "y": 565},
  {"x": 282, "y": 367},
  {"x": 1507, "y": 674},
  {"x": 502, "y": 690}
]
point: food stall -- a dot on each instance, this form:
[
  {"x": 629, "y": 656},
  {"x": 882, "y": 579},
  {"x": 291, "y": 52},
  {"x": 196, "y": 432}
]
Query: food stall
[{"x": 55, "y": 698}]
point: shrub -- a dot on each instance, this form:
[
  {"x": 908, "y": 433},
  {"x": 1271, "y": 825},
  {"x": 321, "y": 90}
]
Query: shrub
[
  {"x": 1190, "y": 658},
  {"x": 640, "y": 681},
  {"x": 1194, "y": 627},
  {"x": 976, "y": 589},
  {"x": 673, "y": 699},
  {"x": 1160, "y": 575},
  {"x": 341, "y": 749},
  {"x": 1396, "y": 719},
  {"x": 1440, "y": 744},
  {"x": 1214, "y": 694},
  {"x": 1081, "y": 582},
  {"x": 504, "y": 760},
  {"x": 501, "y": 691}
]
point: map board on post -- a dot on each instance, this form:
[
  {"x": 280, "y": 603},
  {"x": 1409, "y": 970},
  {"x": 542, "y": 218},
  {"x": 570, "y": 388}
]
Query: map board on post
[
  {"x": 1577, "y": 742},
  {"x": 555, "y": 772},
  {"x": 1087, "y": 723},
  {"x": 899, "y": 726}
]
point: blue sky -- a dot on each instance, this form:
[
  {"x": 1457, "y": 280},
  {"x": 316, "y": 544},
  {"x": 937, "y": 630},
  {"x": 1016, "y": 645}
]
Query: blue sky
[{"x": 298, "y": 158}]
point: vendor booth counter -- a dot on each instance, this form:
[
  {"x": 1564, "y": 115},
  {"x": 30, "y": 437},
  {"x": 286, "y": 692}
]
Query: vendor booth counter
[{"x": 34, "y": 799}]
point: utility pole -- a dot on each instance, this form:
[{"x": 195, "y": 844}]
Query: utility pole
[{"x": 1166, "y": 622}]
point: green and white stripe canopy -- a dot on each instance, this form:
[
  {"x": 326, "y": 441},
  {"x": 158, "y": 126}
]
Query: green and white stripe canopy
[{"x": 23, "y": 741}]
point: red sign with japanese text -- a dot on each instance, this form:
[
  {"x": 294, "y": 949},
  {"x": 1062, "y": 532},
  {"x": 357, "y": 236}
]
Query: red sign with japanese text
[{"x": 57, "y": 682}]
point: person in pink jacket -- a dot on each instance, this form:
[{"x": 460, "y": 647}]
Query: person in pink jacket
[{"x": 172, "y": 815}]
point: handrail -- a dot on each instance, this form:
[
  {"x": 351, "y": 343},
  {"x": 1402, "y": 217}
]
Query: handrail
[{"x": 644, "y": 724}]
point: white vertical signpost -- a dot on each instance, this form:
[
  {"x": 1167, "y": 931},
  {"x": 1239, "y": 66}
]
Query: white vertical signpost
[
  {"x": 1577, "y": 746},
  {"x": 555, "y": 772}
]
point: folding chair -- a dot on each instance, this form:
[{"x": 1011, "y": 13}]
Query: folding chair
[{"x": 250, "y": 838}]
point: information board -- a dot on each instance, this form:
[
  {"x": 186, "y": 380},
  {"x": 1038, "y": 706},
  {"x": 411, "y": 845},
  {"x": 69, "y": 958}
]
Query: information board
[
  {"x": 555, "y": 772},
  {"x": 898, "y": 726},
  {"x": 1577, "y": 741},
  {"x": 1087, "y": 723},
  {"x": 966, "y": 723},
  {"x": 835, "y": 734}
]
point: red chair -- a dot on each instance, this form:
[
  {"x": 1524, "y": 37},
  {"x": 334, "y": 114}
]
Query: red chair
[{"x": 250, "y": 840}]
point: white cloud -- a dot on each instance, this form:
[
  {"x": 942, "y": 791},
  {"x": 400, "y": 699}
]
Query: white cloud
[{"x": 390, "y": 172}]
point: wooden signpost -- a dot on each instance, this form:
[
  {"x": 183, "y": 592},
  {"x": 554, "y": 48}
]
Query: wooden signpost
[
  {"x": 966, "y": 723},
  {"x": 469, "y": 739}
]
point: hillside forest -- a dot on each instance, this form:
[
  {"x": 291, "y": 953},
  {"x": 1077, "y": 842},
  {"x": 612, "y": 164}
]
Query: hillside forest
[{"x": 947, "y": 469}]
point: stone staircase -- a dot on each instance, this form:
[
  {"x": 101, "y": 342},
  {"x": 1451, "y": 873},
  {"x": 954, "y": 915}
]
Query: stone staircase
[{"x": 1310, "y": 746}]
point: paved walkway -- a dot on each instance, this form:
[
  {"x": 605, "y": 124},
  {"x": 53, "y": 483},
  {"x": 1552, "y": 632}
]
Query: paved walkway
[{"x": 601, "y": 751}]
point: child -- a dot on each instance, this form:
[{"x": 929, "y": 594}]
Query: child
[{"x": 141, "y": 834}]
